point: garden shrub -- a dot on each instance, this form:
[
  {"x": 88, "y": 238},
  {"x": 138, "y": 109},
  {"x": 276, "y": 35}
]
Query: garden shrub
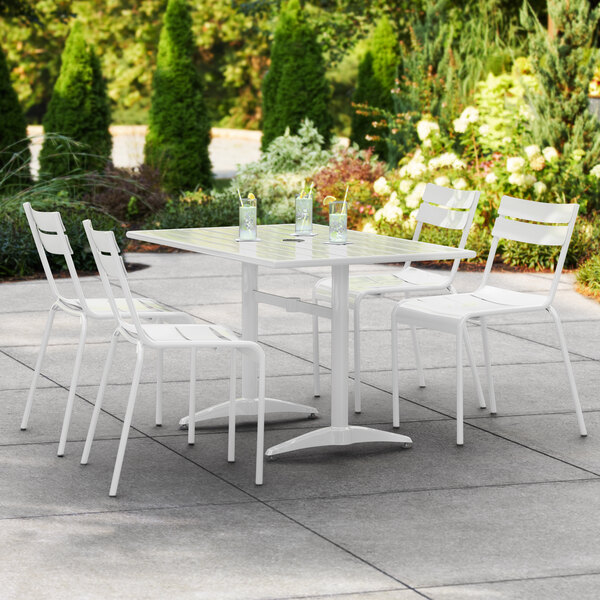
[
  {"x": 295, "y": 87},
  {"x": 196, "y": 209},
  {"x": 179, "y": 128},
  {"x": 359, "y": 170},
  {"x": 79, "y": 109},
  {"x": 14, "y": 145},
  {"x": 588, "y": 275},
  {"x": 126, "y": 194},
  {"x": 18, "y": 254}
]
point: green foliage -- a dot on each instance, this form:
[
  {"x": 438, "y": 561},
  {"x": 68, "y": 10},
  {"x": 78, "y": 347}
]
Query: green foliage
[
  {"x": 564, "y": 64},
  {"x": 295, "y": 88},
  {"x": 179, "y": 128},
  {"x": 18, "y": 254},
  {"x": 14, "y": 145},
  {"x": 588, "y": 275},
  {"x": 376, "y": 77},
  {"x": 196, "y": 209},
  {"x": 281, "y": 172},
  {"x": 78, "y": 109}
]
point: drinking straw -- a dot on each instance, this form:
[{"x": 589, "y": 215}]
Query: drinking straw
[
  {"x": 241, "y": 203},
  {"x": 303, "y": 188},
  {"x": 344, "y": 205},
  {"x": 311, "y": 187}
]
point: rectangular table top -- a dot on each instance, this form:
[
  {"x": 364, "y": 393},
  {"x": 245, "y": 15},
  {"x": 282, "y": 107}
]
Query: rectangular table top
[{"x": 274, "y": 251}]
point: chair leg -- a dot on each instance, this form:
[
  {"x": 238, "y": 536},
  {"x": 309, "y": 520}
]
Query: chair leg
[
  {"x": 159, "y": 387},
  {"x": 473, "y": 364},
  {"x": 231, "y": 429},
  {"x": 127, "y": 421},
  {"x": 99, "y": 398},
  {"x": 38, "y": 366},
  {"x": 192, "y": 400},
  {"x": 570, "y": 376},
  {"x": 420, "y": 372},
  {"x": 488, "y": 365},
  {"x": 395, "y": 393},
  {"x": 357, "y": 399},
  {"x": 260, "y": 427},
  {"x": 73, "y": 387},
  {"x": 316, "y": 375},
  {"x": 459, "y": 387}
]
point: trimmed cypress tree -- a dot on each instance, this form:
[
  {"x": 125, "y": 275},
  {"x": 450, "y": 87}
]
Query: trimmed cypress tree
[
  {"x": 564, "y": 64},
  {"x": 295, "y": 87},
  {"x": 376, "y": 79},
  {"x": 14, "y": 145},
  {"x": 79, "y": 109},
  {"x": 179, "y": 126}
]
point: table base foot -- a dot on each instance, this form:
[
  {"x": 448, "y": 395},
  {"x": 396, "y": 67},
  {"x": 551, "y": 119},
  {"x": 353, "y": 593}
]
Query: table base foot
[
  {"x": 248, "y": 407},
  {"x": 339, "y": 436}
]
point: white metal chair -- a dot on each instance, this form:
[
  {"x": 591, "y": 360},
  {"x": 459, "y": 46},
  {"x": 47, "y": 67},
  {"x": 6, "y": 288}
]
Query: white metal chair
[
  {"x": 519, "y": 220},
  {"x": 441, "y": 207},
  {"x": 160, "y": 337},
  {"x": 50, "y": 238}
]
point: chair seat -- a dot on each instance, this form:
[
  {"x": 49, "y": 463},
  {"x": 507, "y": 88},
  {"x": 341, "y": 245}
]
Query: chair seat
[
  {"x": 409, "y": 279},
  {"x": 166, "y": 333},
  {"x": 444, "y": 312},
  {"x": 101, "y": 308}
]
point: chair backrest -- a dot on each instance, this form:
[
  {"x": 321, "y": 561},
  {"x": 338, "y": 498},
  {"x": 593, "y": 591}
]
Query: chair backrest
[
  {"x": 49, "y": 235},
  {"x": 531, "y": 222},
  {"x": 450, "y": 209},
  {"x": 112, "y": 268}
]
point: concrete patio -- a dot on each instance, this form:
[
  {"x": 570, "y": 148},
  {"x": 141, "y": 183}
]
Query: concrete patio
[{"x": 512, "y": 514}]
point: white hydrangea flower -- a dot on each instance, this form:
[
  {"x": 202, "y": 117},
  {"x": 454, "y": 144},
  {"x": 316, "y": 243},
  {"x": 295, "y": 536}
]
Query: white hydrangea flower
[
  {"x": 369, "y": 228},
  {"x": 405, "y": 185},
  {"x": 414, "y": 198},
  {"x": 529, "y": 180},
  {"x": 491, "y": 178},
  {"x": 447, "y": 159},
  {"x": 470, "y": 114},
  {"x": 415, "y": 169},
  {"x": 394, "y": 198},
  {"x": 378, "y": 215},
  {"x": 381, "y": 187},
  {"x": 595, "y": 171},
  {"x": 460, "y": 125},
  {"x": 459, "y": 184},
  {"x": 434, "y": 164},
  {"x": 550, "y": 153},
  {"x": 516, "y": 179},
  {"x": 506, "y": 139},
  {"x": 539, "y": 187},
  {"x": 484, "y": 129},
  {"x": 514, "y": 164},
  {"x": 427, "y": 143},
  {"x": 413, "y": 215},
  {"x": 532, "y": 151},
  {"x": 458, "y": 164},
  {"x": 403, "y": 171},
  {"x": 442, "y": 180},
  {"x": 425, "y": 128},
  {"x": 391, "y": 211}
]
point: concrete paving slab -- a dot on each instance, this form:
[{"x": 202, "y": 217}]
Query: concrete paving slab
[
  {"x": 520, "y": 389},
  {"x": 36, "y": 483},
  {"x": 556, "y": 435},
  {"x": 211, "y": 364},
  {"x": 399, "y": 594},
  {"x": 15, "y": 376},
  {"x": 209, "y": 552},
  {"x": 580, "y": 587},
  {"x": 434, "y": 462},
  {"x": 45, "y": 422},
  {"x": 458, "y": 536}
]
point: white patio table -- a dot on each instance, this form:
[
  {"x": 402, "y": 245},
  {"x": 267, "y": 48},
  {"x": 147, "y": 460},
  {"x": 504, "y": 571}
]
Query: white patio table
[{"x": 277, "y": 248}]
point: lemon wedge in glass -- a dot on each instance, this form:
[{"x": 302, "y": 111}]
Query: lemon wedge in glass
[
  {"x": 328, "y": 199},
  {"x": 251, "y": 196}
]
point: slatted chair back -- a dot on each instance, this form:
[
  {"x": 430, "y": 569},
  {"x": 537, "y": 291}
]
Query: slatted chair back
[
  {"x": 449, "y": 209},
  {"x": 537, "y": 223},
  {"x": 49, "y": 235},
  {"x": 112, "y": 272}
]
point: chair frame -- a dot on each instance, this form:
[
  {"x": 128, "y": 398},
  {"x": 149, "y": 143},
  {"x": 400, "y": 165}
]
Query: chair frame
[
  {"x": 110, "y": 266},
  {"x": 50, "y": 237},
  {"x": 518, "y": 220},
  {"x": 441, "y": 207}
]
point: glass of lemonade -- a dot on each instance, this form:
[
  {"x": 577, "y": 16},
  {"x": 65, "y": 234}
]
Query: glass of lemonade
[
  {"x": 304, "y": 208},
  {"x": 247, "y": 219},
  {"x": 338, "y": 222}
]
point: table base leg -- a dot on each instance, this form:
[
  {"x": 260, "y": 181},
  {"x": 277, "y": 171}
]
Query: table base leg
[
  {"x": 339, "y": 436},
  {"x": 248, "y": 407}
]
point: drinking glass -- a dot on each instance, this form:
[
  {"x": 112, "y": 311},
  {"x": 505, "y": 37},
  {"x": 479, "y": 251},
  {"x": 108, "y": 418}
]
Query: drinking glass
[
  {"x": 304, "y": 207},
  {"x": 248, "y": 219},
  {"x": 338, "y": 222}
]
